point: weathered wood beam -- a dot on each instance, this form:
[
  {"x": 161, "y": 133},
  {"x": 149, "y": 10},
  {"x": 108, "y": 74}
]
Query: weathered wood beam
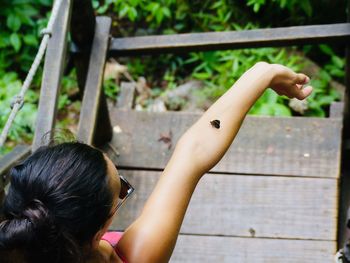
[
  {"x": 6, "y": 162},
  {"x": 53, "y": 69},
  {"x": 247, "y": 206},
  {"x": 336, "y": 110},
  {"x": 194, "y": 248},
  {"x": 126, "y": 96},
  {"x": 344, "y": 231},
  {"x": 295, "y": 146},
  {"x": 286, "y": 36},
  {"x": 83, "y": 33},
  {"x": 94, "y": 100}
]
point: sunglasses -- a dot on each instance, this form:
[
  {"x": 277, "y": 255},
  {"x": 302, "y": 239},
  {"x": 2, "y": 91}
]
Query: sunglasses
[{"x": 126, "y": 190}]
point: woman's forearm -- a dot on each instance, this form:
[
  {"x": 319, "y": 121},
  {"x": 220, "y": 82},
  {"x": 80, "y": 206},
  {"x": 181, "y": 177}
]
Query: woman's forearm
[{"x": 210, "y": 143}]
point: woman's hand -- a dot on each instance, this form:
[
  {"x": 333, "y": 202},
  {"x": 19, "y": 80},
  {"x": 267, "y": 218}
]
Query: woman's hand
[{"x": 286, "y": 82}]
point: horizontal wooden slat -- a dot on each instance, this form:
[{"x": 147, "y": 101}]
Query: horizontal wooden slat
[
  {"x": 265, "y": 145},
  {"x": 248, "y": 206},
  {"x": 285, "y": 36},
  {"x": 199, "y": 249}
]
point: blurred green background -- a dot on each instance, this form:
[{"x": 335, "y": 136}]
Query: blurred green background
[{"x": 22, "y": 20}]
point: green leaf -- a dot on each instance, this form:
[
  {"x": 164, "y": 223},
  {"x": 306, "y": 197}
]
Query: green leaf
[
  {"x": 132, "y": 14},
  {"x": 46, "y": 2},
  {"x": 326, "y": 49},
  {"x": 338, "y": 61},
  {"x": 15, "y": 41},
  {"x": 326, "y": 100},
  {"x": 13, "y": 22},
  {"x": 30, "y": 40},
  {"x": 123, "y": 11},
  {"x": 270, "y": 96},
  {"x": 201, "y": 75},
  {"x": 281, "y": 110},
  {"x": 264, "y": 109},
  {"x": 306, "y": 6},
  {"x": 4, "y": 40},
  {"x": 318, "y": 112}
]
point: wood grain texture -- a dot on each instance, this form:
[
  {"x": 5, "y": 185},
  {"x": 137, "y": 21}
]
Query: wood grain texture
[
  {"x": 93, "y": 94},
  {"x": 265, "y": 145},
  {"x": 248, "y": 206},
  {"x": 198, "y": 249},
  {"x": 53, "y": 70},
  {"x": 283, "y": 36},
  {"x": 126, "y": 96},
  {"x": 336, "y": 109}
]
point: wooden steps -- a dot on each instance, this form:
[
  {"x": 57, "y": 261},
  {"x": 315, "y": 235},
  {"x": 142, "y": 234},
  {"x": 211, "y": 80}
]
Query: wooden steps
[{"x": 272, "y": 198}]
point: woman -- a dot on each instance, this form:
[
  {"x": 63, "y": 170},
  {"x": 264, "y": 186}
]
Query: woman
[{"x": 62, "y": 199}]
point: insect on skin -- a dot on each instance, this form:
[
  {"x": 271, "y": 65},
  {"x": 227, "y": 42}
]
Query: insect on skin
[{"x": 215, "y": 124}]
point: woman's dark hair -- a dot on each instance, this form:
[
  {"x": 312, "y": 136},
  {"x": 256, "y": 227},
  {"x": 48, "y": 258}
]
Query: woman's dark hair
[{"x": 58, "y": 199}]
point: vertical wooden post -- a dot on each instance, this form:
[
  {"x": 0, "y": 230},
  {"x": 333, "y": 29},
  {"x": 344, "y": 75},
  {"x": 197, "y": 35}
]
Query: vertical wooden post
[
  {"x": 53, "y": 70},
  {"x": 344, "y": 231},
  {"x": 346, "y": 134},
  {"x": 91, "y": 111},
  {"x": 82, "y": 32}
]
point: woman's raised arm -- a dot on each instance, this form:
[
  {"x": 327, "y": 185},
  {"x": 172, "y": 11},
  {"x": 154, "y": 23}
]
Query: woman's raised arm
[{"x": 152, "y": 237}]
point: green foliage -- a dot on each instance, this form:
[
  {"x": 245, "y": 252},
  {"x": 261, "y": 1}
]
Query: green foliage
[
  {"x": 23, "y": 127},
  {"x": 219, "y": 69},
  {"x": 21, "y": 21},
  {"x": 111, "y": 89},
  {"x": 20, "y": 34},
  {"x": 291, "y": 5}
]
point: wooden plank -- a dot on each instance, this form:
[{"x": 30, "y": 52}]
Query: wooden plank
[
  {"x": 126, "y": 96},
  {"x": 265, "y": 145},
  {"x": 53, "y": 69},
  {"x": 93, "y": 95},
  {"x": 336, "y": 110},
  {"x": 344, "y": 210},
  {"x": 198, "y": 249},
  {"x": 344, "y": 232},
  {"x": 6, "y": 162},
  {"x": 248, "y": 206},
  {"x": 283, "y": 36},
  {"x": 83, "y": 19}
]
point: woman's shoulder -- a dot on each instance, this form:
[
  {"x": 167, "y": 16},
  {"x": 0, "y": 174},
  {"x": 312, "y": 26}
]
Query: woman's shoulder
[
  {"x": 104, "y": 254},
  {"x": 108, "y": 252}
]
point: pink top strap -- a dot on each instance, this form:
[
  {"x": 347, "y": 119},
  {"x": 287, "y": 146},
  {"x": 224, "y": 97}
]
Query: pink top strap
[{"x": 113, "y": 238}]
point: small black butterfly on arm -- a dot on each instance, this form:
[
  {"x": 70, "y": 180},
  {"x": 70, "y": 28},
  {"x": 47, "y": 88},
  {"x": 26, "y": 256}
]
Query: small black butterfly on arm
[{"x": 215, "y": 124}]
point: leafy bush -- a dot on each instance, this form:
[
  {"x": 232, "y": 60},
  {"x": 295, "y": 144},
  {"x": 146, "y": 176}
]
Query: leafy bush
[{"x": 23, "y": 126}]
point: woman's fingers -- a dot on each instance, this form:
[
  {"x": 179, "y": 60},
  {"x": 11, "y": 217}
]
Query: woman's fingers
[
  {"x": 303, "y": 93},
  {"x": 300, "y": 92},
  {"x": 301, "y": 79},
  {"x": 306, "y": 91}
]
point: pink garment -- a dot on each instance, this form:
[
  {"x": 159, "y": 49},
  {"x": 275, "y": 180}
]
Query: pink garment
[{"x": 113, "y": 238}]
